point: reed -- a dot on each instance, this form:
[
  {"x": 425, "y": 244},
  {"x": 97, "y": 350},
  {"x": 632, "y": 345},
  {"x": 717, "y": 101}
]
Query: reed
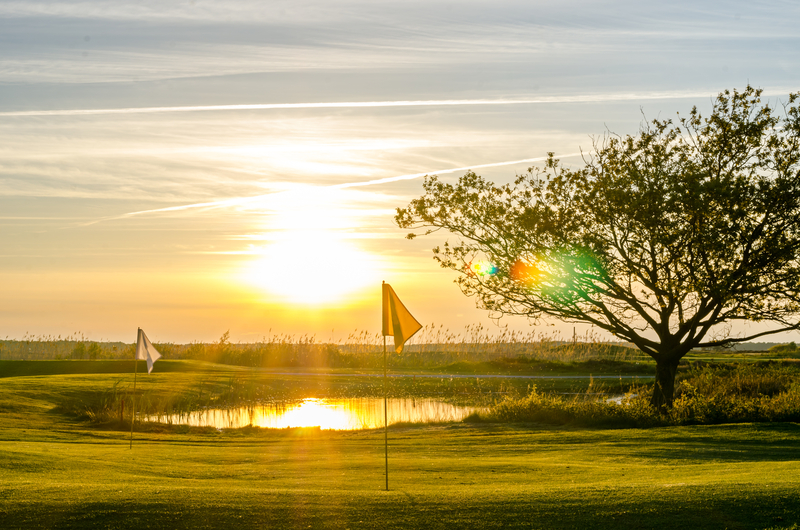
[
  {"x": 74, "y": 346},
  {"x": 432, "y": 346},
  {"x": 705, "y": 394}
]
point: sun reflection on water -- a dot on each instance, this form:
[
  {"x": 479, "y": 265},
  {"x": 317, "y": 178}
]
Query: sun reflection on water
[
  {"x": 309, "y": 413},
  {"x": 337, "y": 414}
]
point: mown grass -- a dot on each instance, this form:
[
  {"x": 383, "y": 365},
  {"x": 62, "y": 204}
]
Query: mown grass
[
  {"x": 60, "y": 471},
  {"x": 533, "y": 366},
  {"x": 459, "y": 476},
  {"x": 18, "y": 368}
]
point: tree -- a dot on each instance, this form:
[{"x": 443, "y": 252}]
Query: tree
[{"x": 665, "y": 239}]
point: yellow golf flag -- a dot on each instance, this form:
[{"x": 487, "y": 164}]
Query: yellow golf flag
[{"x": 397, "y": 321}]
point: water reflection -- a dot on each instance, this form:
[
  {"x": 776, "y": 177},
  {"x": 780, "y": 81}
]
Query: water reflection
[{"x": 339, "y": 414}]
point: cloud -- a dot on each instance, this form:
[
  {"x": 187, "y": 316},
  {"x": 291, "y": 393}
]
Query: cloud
[
  {"x": 578, "y": 98},
  {"x": 110, "y": 41},
  {"x": 243, "y": 201}
]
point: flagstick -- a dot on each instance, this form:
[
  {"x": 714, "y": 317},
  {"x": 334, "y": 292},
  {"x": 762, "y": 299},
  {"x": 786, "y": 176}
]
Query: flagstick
[
  {"x": 133, "y": 399},
  {"x": 385, "y": 417}
]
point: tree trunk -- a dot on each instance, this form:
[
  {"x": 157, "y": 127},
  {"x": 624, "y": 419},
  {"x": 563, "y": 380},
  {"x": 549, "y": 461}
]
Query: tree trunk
[{"x": 664, "y": 390}]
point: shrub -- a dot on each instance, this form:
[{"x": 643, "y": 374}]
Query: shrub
[
  {"x": 784, "y": 348},
  {"x": 707, "y": 394}
]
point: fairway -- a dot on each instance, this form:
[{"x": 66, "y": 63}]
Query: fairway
[{"x": 57, "y": 472}]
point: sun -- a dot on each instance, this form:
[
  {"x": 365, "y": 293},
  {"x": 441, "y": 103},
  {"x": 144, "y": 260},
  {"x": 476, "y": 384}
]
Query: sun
[
  {"x": 309, "y": 258},
  {"x": 312, "y": 267}
]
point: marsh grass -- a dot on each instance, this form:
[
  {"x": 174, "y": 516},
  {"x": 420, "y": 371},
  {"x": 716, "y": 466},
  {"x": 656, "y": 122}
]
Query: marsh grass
[
  {"x": 437, "y": 345},
  {"x": 166, "y": 394},
  {"x": 75, "y": 346},
  {"x": 182, "y": 394},
  {"x": 705, "y": 394},
  {"x": 433, "y": 346}
]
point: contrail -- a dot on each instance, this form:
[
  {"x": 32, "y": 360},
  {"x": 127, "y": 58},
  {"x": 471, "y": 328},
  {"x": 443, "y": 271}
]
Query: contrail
[
  {"x": 586, "y": 98},
  {"x": 444, "y": 171},
  {"x": 266, "y": 106},
  {"x": 238, "y": 201},
  {"x": 579, "y": 98}
]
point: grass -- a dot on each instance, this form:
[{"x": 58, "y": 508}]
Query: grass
[
  {"x": 705, "y": 394},
  {"x": 17, "y": 368},
  {"x": 57, "y": 471},
  {"x": 433, "y": 346},
  {"x": 96, "y": 389},
  {"x": 463, "y": 476},
  {"x": 534, "y": 366}
]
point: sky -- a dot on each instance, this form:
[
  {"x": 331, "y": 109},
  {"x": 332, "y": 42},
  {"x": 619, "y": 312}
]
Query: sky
[{"x": 197, "y": 167}]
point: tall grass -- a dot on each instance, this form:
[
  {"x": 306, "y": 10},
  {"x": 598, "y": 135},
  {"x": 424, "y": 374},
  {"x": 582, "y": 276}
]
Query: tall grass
[
  {"x": 74, "y": 346},
  {"x": 116, "y": 404},
  {"x": 432, "y": 346},
  {"x": 705, "y": 394},
  {"x": 187, "y": 393}
]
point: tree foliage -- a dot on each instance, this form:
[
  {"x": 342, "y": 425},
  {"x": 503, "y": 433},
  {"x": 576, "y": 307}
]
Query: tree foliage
[{"x": 664, "y": 239}]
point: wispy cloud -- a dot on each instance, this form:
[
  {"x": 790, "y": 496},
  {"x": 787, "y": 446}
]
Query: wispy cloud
[
  {"x": 242, "y": 201},
  {"x": 579, "y": 98}
]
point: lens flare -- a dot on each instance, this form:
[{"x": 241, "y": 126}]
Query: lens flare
[
  {"x": 483, "y": 268},
  {"x": 524, "y": 272}
]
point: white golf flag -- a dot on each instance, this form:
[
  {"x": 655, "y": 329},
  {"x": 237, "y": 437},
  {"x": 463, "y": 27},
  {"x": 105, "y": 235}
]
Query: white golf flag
[{"x": 145, "y": 350}]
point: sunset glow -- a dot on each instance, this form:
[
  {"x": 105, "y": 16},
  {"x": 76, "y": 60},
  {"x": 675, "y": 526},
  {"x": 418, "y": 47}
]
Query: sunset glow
[
  {"x": 356, "y": 264},
  {"x": 306, "y": 257},
  {"x": 311, "y": 267},
  {"x": 199, "y": 167}
]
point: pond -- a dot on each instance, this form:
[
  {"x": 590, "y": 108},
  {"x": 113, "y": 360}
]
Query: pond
[{"x": 338, "y": 414}]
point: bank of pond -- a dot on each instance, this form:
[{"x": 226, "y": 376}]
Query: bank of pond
[{"x": 213, "y": 396}]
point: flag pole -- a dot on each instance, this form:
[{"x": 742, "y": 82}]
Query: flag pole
[
  {"x": 133, "y": 399},
  {"x": 385, "y": 417},
  {"x": 401, "y": 325}
]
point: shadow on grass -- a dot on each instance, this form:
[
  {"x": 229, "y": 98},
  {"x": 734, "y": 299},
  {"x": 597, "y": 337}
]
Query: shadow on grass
[
  {"x": 736, "y": 442},
  {"x": 314, "y": 507},
  {"x": 761, "y": 442}
]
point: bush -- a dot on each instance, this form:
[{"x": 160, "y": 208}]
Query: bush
[
  {"x": 707, "y": 394},
  {"x": 784, "y": 348}
]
